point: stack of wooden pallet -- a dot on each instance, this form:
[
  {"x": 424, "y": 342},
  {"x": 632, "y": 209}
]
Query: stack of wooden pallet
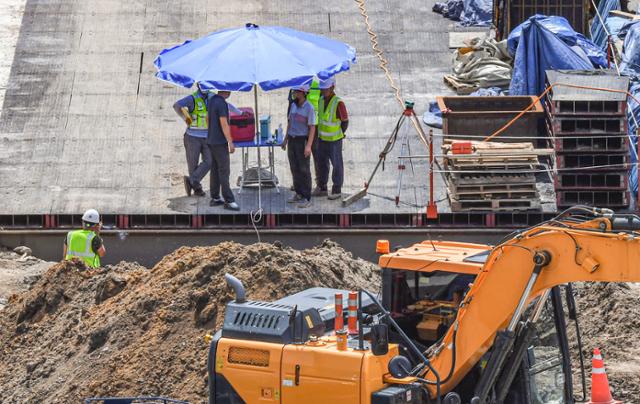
[{"x": 492, "y": 176}]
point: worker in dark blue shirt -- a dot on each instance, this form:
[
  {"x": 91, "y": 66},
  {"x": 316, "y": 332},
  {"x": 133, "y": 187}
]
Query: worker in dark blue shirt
[{"x": 221, "y": 146}]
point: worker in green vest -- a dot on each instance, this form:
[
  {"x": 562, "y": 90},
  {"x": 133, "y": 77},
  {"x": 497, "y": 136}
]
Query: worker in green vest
[
  {"x": 193, "y": 110},
  {"x": 332, "y": 126},
  {"x": 313, "y": 96},
  {"x": 86, "y": 243}
]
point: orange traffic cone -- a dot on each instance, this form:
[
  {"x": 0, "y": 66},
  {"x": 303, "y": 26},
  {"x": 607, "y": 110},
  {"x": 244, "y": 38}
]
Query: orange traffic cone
[{"x": 600, "y": 392}]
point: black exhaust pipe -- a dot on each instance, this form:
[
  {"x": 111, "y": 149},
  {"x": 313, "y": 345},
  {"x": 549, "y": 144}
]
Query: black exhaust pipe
[{"x": 237, "y": 286}]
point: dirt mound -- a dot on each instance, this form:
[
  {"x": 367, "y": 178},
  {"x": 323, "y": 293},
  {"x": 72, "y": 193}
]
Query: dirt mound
[
  {"x": 128, "y": 330},
  {"x": 609, "y": 319},
  {"x": 18, "y": 270}
]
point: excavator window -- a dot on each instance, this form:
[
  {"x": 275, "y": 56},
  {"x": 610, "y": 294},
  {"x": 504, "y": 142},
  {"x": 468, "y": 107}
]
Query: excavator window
[{"x": 425, "y": 303}]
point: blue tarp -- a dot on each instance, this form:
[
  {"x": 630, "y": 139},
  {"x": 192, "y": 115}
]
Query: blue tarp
[
  {"x": 630, "y": 64},
  {"x": 622, "y": 33},
  {"x": 487, "y": 92},
  {"x": 450, "y": 9},
  {"x": 615, "y": 24},
  {"x": 598, "y": 32},
  {"x": 433, "y": 117},
  {"x": 468, "y": 12},
  {"x": 477, "y": 12},
  {"x": 563, "y": 30},
  {"x": 544, "y": 43}
]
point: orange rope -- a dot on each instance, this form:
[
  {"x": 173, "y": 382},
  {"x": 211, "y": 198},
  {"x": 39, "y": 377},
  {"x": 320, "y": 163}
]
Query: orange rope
[{"x": 524, "y": 111}]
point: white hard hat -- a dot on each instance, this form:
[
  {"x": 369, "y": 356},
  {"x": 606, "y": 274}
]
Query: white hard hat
[
  {"x": 304, "y": 88},
  {"x": 328, "y": 83},
  {"x": 91, "y": 216}
]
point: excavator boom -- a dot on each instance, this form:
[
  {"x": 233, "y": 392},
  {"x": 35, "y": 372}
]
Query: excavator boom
[{"x": 523, "y": 268}]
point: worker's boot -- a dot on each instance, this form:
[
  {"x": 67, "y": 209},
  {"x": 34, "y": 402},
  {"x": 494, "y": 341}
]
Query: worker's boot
[
  {"x": 232, "y": 206},
  {"x": 187, "y": 185},
  {"x": 319, "y": 192}
]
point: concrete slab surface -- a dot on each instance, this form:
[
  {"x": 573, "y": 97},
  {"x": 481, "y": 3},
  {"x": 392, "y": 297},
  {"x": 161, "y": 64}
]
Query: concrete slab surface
[{"x": 85, "y": 124}]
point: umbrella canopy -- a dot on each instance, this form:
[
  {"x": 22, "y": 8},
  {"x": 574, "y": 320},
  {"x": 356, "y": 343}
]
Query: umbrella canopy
[{"x": 238, "y": 59}]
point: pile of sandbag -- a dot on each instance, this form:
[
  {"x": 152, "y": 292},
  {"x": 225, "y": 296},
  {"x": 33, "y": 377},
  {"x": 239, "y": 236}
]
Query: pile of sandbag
[{"x": 484, "y": 63}]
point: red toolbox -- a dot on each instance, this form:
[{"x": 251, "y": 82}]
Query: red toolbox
[
  {"x": 461, "y": 148},
  {"x": 243, "y": 127}
]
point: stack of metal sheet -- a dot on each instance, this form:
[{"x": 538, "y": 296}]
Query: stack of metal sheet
[{"x": 587, "y": 126}]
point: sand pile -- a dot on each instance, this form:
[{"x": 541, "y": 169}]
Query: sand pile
[{"x": 127, "y": 330}]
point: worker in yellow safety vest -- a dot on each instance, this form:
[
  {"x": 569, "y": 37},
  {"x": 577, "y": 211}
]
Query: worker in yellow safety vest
[
  {"x": 333, "y": 122},
  {"x": 86, "y": 243},
  {"x": 193, "y": 110},
  {"x": 313, "y": 96}
]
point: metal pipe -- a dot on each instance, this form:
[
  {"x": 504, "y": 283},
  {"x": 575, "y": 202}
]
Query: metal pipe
[
  {"x": 540, "y": 259},
  {"x": 237, "y": 286},
  {"x": 431, "y": 197}
]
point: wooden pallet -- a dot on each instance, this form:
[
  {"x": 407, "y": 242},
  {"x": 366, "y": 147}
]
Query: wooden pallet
[
  {"x": 459, "y": 87},
  {"x": 495, "y": 195},
  {"x": 489, "y": 188},
  {"x": 463, "y": 179},
  {"x": 495, "y": 205}
]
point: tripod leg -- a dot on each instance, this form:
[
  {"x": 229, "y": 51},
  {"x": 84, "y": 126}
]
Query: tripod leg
[{"x": 383, "y": 155}]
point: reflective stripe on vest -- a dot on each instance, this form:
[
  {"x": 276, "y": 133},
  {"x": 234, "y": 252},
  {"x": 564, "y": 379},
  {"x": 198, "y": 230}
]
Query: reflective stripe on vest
[
  {"x": 79, "y": 245},
  {"x": 199, "y": 113},
  {"x": 329, "y": 127},
  {"x": 313, "y": 96}
]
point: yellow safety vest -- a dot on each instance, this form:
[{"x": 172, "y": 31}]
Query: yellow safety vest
[
  {"x": 313, "y": 96},
  {"x": 79, "y": 245},
  {"x": 329, "y": 126},
  {"x": 199, "y": 113}
]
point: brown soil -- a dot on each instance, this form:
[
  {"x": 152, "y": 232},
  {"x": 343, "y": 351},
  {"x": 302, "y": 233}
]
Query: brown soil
[
  {"x": 609, "y": 319},
  {"x": 127, "y": 330}
]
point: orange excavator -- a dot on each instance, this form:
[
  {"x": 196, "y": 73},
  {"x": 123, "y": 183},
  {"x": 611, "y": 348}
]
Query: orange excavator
[{"x": 453, "y": 323}]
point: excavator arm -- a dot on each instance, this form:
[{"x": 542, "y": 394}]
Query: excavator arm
[{"x": 603, "y": 249}]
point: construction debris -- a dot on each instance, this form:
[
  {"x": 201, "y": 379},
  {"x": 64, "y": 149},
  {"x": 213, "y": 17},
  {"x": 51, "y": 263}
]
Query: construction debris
[
  {"x": 127, "y": 330},
  {"x": 491, "y": 176},
  {"x": 484, "y": 63}
]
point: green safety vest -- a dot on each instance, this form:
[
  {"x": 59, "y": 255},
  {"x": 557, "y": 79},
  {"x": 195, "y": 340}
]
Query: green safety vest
[
  {"x": 79, "y": 245},
  {"x": 329, "y": 126},
  {"x": 313, "y": 96},
  {"x": 199, "y": 113}
]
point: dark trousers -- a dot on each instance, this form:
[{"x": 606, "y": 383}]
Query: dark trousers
[
  {"x": 220, "y": 171},
  {"x": 300, "y": 166},
  {"x": 194, "y": 148},
  {"x": 314, "y": 153},
  {"x": 330, "y": 153}
]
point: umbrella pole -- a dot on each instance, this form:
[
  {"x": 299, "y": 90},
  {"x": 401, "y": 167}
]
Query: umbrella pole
[{"x": 257, "y": 119}]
